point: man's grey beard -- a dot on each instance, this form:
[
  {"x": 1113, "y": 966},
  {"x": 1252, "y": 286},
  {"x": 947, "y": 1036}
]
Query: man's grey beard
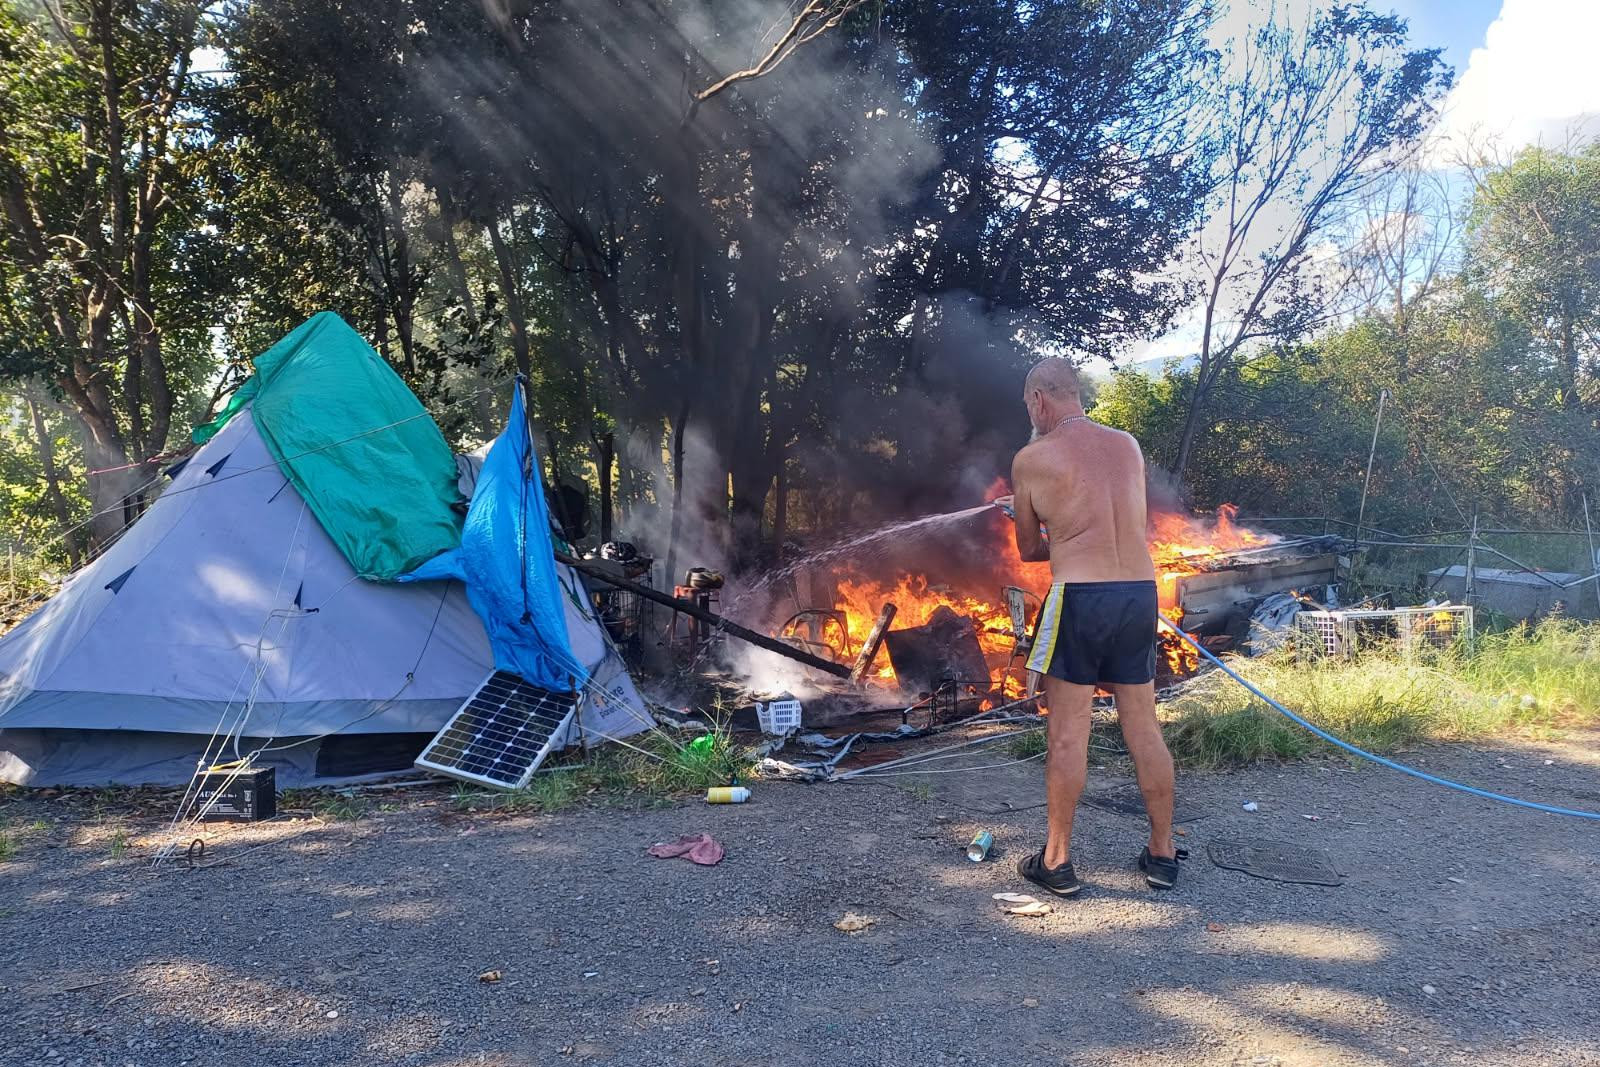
[{"x": 1033, "y": 433}]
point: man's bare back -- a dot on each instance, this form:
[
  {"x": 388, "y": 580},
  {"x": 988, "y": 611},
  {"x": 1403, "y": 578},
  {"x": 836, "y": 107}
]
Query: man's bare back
[{"x": 1086, "y": 483}]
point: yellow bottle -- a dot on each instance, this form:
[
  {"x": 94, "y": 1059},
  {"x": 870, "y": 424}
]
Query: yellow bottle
[{"x": 727, "y": 794}]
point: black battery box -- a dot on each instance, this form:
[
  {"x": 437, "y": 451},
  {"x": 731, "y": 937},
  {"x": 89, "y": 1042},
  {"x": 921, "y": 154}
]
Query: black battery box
[{"x": 228, "y": 794}]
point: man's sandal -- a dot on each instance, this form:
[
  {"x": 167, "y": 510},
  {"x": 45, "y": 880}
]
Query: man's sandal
[
  {"x": 1058, "y": 880},
  {"x": 1161, "y": 872}
]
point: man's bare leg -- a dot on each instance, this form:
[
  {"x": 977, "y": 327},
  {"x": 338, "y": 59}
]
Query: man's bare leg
[
  {"x": 1067, "y": 764},
  {"x": 1152, "y": 763}
]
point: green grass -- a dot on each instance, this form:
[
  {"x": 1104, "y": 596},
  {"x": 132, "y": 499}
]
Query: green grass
[
  {"x": 340, "y": 807},
  {"x": 1528, "y": 680},
  {"x": 1556, "y": 663},
  {"x": 690, "y": 769},
  {"x": 12, "y": 836},
  {"x": 656, "y": 769},
  {"x": 1028, "y": 744},
  {"x": 119, "y": 844},
  {"x": 552, "y": 790},
  {"x": 1104, "y": 739}
]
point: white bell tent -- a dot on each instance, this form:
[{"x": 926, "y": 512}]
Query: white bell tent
[{"x": 226, "y": 608}]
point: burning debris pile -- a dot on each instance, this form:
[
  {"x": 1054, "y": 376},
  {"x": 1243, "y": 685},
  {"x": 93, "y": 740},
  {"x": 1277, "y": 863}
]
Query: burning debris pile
[
  {"x": 966, "y": 593},
  {"x": 1183, "y": 546}
]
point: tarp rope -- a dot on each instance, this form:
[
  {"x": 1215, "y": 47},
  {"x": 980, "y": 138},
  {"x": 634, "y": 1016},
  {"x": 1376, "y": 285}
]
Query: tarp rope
[{"x": 1363, "y": 753}]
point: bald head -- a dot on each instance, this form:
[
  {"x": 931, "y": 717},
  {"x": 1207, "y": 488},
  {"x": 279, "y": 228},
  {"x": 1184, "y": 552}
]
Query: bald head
[
  {"x": 1051, "y": 394},
  {"x": 1055, "y": 377}
]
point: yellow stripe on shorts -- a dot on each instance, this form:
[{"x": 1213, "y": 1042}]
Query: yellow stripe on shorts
[{"x": 1049, "y": 630}]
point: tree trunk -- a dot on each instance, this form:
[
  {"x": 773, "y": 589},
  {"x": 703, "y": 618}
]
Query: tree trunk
[
  {"x": 513, "y": 294},
  {"x": 780, "y": 505},
  {"x": 52, "y": 477},
  {"x": 1191, "y": 427},
  {"x": 608, "y": 455},
  {"x": 404, "y": 290},
  {"x": 680, "y": 426},
  {"x": 454, "y": 267},
  {"x": 105, "y": 450},
  {"x": 1569, "y": 358},
  {"x": 151, "y": 383},
  {"x": 1202, "y": 385},
  {"x": 380, "y": 335},
  {"x": 132, "y": 398},
  {"x": 748, "y": 456}
]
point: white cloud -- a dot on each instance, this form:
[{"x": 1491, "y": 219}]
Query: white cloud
[{"x": 1535, "y": 77}]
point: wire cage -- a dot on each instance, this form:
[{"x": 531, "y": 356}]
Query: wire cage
[
  {"x": 621, "y": 611},
  {"x": 1348, "y": 633},
  {"x": 625, "y": 615}
]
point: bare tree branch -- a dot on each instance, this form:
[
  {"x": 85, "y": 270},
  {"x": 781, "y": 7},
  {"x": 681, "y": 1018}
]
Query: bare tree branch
[{"x": 812, "y": 21}]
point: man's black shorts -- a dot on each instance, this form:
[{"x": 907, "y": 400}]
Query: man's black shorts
[{"x": 1097, "y": 632}]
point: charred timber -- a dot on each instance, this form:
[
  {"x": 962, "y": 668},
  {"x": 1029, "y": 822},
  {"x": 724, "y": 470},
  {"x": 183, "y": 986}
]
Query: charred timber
[
  {"x": 869, "y": 649},
  {"x": 694, "y": 611}
]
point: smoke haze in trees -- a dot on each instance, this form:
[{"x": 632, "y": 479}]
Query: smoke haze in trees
[{"x": 831, "y": 276}]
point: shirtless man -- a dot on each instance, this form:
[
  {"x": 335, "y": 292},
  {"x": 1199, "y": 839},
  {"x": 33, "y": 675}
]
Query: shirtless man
[{"x": 1086, "y": 484}]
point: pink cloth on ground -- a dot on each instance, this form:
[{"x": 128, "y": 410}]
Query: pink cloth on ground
[{"x": 698, "y": 848}]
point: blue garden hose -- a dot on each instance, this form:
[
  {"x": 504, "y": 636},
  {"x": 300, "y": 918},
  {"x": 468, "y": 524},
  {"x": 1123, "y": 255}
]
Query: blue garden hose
[{"x": 1363, "y": 753}]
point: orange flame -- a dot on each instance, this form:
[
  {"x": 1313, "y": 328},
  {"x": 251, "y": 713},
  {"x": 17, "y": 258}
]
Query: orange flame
[
  {"x": 1179, "y": 544},
  {"x": 916, "y": 601}
]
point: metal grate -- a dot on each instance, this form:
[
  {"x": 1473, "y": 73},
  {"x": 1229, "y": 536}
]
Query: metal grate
[
  {"x": 1275, "y": 861},
  {"x": 501, "y": 734},
  {"x": 1410, "y": 630}
]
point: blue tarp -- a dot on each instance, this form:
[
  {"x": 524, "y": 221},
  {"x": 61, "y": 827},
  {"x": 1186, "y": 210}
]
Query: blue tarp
[{"x": 506, "y": 564}]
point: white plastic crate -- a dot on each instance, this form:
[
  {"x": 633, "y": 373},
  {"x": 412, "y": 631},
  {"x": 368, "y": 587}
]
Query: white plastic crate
[{"x": 778, "y": 717}]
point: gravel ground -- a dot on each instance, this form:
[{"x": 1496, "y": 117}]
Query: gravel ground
[{"x": 1466, "y": 931}]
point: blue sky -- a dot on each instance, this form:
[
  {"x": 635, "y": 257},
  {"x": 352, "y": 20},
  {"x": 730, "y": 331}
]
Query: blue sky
[{"x": 1457, "y": 26}]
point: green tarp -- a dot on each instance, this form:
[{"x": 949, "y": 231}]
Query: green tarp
[{"x": 356, "y": 443}]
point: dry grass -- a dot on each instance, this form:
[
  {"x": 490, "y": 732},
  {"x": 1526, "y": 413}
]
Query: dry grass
[{"x": 1528, "y": 680}]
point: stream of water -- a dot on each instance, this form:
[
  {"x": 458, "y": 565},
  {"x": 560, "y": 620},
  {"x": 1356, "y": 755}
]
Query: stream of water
[{"x": 871, "y": 541}]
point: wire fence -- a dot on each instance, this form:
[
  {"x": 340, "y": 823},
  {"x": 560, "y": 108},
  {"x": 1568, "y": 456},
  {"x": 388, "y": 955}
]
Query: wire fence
[{"x": 1514, "y": 572}]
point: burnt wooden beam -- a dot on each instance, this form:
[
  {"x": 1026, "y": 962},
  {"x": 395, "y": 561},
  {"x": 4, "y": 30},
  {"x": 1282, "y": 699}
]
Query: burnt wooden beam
[
  {"x": 874, "y": 641},
  {"x": 695, "y": 611}
]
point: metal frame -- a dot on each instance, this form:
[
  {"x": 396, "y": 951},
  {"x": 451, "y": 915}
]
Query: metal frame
[{"x": 815, "y": 622}]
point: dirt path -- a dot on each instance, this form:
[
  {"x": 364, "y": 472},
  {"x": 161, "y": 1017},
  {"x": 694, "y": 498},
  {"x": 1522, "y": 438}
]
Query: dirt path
[{"x": 1466, "y": 932}]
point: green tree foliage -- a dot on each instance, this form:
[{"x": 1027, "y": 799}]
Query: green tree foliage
[
  {"x": 1493, "y": 409},
  {"x": 104, "y": 275},
  {"x": 1534, "y": 232},
  {"x": 41, "y": 488},
  {"x": 1534, "y": 248},
  {"x": 796, "y": 285}
]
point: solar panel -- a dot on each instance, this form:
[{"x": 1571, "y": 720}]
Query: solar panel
[{"x": 501, "y": 734}]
